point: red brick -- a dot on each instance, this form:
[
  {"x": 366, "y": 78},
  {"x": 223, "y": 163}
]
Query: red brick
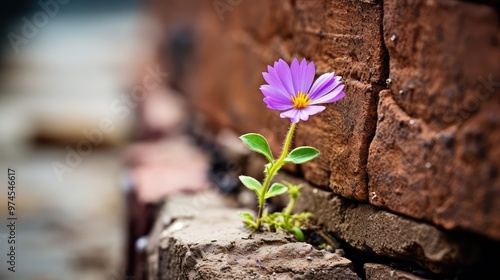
[
  {"x": 435, "y": 155},
  {"x": 344, "y": 37}
]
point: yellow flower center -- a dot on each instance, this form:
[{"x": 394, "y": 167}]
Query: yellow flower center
[{"x": 301, "y": 100}]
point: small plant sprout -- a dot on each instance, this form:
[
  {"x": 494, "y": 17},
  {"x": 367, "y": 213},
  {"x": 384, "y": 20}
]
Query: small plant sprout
[
  {"x": 285, "y": 220},
  {"x": 290, "y": 90}
]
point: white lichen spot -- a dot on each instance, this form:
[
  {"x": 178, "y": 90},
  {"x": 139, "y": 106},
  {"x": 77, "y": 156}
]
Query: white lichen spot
[
  {"x": 166, "y": 220},
  {"x": 391, "y": 273},
  {"x": 428, "y": 165},
  {"x": 412, "y": 121},
  {"x": 141, "y": 243},
  {"x": 315, "y": 191},
  {"x": 174, "y": 227},
  {"x": 374, "y": 195},
  {"x": 401, "y": 92},
  {"x": 393, "y": 37},
  {"x": 388, "y": 81}
]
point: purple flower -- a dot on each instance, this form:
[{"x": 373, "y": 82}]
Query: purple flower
[{"x": 290, "y": 89}]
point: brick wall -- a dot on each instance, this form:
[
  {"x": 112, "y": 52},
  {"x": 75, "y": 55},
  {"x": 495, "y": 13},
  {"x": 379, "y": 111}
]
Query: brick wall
[{"x": 417, "y": 130}]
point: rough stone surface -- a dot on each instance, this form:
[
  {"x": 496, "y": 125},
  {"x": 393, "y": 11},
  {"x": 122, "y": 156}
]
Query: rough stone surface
[
  {"x": 196, "y": 237},
  {"x": 435, "y": 155},
  {"x": 370, "y": 229},
  {"x": 375, "y": 271}
]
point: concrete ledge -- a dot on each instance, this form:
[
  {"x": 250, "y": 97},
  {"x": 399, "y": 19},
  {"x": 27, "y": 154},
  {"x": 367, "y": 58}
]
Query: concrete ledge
[
  {"x": 376, "y": 271},
  {"x": 195, "y": 240}
]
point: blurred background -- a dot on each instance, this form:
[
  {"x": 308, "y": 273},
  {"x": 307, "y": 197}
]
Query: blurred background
[
  {"x": 67, "y": 72},
  {"x": 93, "y": 122}
]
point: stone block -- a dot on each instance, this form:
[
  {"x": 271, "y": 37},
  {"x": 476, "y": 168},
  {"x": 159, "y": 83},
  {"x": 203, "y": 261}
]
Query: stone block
[
  {"x": 375, "y": 271},
  {"x": 197, "y": 237}
]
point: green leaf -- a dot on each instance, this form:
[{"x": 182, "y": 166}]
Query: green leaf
[
  {"x": 276, "y": 189},
  {"x": 248, "y": 219},
  {"x": 267, "y": 168},
  {"x": 246, "y": 216},
  {"x": 251, "y": 184},
  {"x": 258, "y": 143},
  {"x": 302, "y": 154},
  {"x": 298, "y": 233},
  {"x": 250, "y": 224}
]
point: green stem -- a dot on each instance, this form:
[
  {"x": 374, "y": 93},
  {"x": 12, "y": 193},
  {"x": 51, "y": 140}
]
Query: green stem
[
  {"x": 275, "y": 167},
  {"x": 290, "y": 206}
]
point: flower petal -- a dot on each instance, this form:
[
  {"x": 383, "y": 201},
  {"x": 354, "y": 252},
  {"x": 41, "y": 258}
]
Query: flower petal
[
  {"x": 335, "y": 95},
  {"x": 283, "y": 72},
  {"x": 278, "y": 104},
  {"x": 276, "y": 93},
  {"x": 312, "y": 110},
  {"x": 272, "y": 78},
  {"x": 303, "y": 75},
  {"x": 309, "y": 111},
  {"x": 303, "y": 115},
  {"x": 309, "y": 72},
  {"x": 292, "y": 114},
  {"x": 297, "y": 76},
  {"x": 323, "y": 85}
]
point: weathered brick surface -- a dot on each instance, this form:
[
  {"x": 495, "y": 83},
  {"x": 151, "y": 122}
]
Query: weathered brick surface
[
  {"x": 341, "y": 36},
  {"x": 435, "y": 154},
  {"x": 443, "y": 167},
  {"x": 345, "y": 37}
]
